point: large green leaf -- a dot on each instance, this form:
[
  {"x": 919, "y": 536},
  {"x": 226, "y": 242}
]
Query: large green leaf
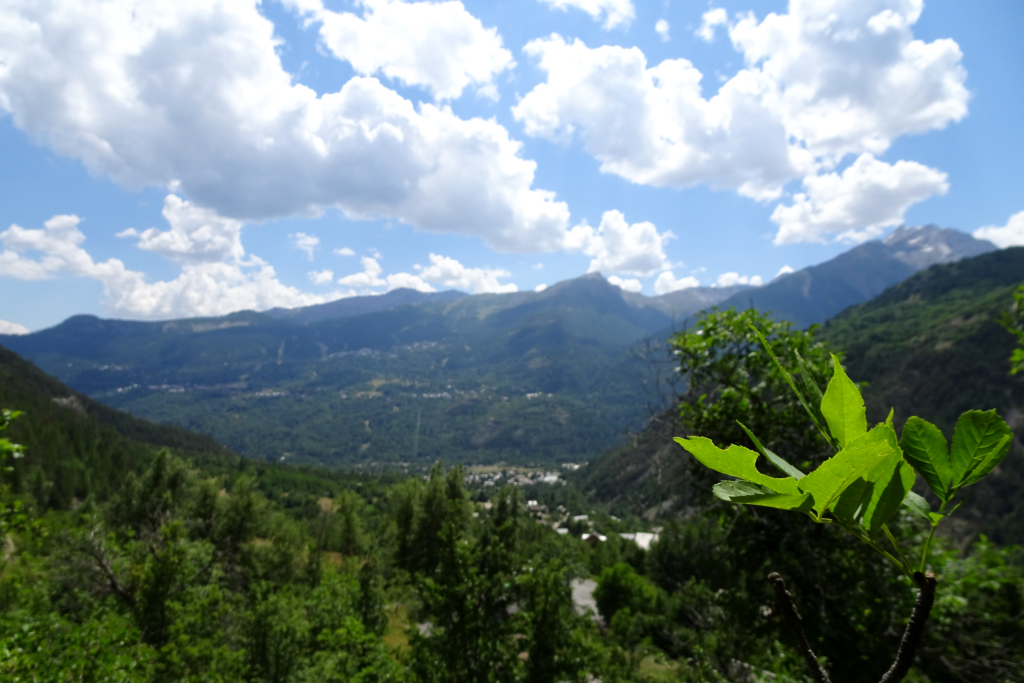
[
  {"x": 782, "y": 464},
  {"x": 747, "y": 493},
  {"x": 925, "y": 448},
  {"x": 861, "y": 499},
  {"x": 891, "y": 484},
  {"x": 917, "y": 504},
  {"x": 843, "y": 407},
  {"x": 847, "y": 468},
  {"x": 980, "y": 442},
  {"x": 736, "y": 461}
]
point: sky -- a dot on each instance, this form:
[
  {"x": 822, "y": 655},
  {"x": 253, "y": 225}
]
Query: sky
[{"x": 176, "y": 158}]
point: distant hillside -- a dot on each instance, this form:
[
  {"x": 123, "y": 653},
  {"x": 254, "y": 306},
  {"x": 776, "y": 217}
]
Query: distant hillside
[
  {"x": 684, "y": 302},
  {"x": 525, "y": 377},
  {"x": 76, "y": 447},
  {"x": 930, "y": 346},
  {"x": 814, "y": 294}
]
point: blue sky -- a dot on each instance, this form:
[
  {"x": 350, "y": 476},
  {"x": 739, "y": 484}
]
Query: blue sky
[{"x": 188, "y": 157}]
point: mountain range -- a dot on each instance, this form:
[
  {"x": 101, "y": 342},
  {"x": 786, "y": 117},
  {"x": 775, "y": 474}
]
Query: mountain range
[
  {"x": 817, "y": 293},
  {"x": 527, "y": 377}
]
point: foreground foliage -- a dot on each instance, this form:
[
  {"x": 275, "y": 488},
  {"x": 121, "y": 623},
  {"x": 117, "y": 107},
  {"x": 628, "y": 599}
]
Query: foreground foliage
[
  {"x": 137, "y": 566},
  {"x": 863, "y": 485}
]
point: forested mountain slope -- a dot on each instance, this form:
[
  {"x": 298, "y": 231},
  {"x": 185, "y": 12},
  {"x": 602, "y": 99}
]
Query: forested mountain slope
[
  {"x": 524, "y": 377},
  {"x": 75, "y": 446}
]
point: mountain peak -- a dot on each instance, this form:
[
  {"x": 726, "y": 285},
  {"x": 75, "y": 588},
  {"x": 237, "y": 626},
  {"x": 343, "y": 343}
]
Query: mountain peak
[{"x": 926, "y": 245}]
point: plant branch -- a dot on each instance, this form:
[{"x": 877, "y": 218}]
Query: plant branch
[
  {"x": 915, "y": 628},
  {"x": 788, "y": 608},
  {"x": 99, "y": 555},
  {"x": 896, "y": 547}
]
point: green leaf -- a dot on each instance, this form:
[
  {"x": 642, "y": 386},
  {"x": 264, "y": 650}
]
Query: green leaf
[
  {"x": 736, "y": 461},
  {"x": 925, "y": 448},
  {"x": 994, "y": 457},
  {"x": 874, "y": 497},
  {"x": 890, "y": 487},
  {"x": 813, "y": 390},
  {"x": 847, "y": 468},
  {"x": 888, "y": 420},
  {"x": 980, "y": 442},
  {"x": 747, "y": 493},
  {"x": 918, "y": 505},
  {"x": 783, "y": 466},
  {"x": 843, "y": 407}
]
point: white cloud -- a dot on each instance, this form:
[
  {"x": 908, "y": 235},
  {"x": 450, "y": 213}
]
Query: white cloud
[
  {"x": 661, "y": 28},
  {"x": 191, "y": 94},
  {"x": 344, "y": 251},
  {"x": 450, "y": 273},
  {"x": 442, "y": 270},
  {"x": 12, "y": 328},
  {"x": 784, "y": 270},
  {"x": 58, "y": 244},
  {"x": 304, "y": 242},
  {"x": 370, "y": 277},
  {"x": 321, "y": 277},
  {"x": 540, "y": 288},
  {"x": 828, "y": 79},
  {"x": 851, "y": 75},
  {"x": 408, "y": 281},
  {"x": 439, "y": 46},
  {"x": 652, "y": 126},
  {"x": 631, "y": 285},
  {"x": 197, "y": 235},
  {"x": 618, "y": 247},
  {"x": 869, "y": 196},
  {"x": 667, "y": 282},
  {"x": 615, "y": 12},
  {"x": 1009, "y": 235},
  {"x": 730, "y": 279},
  {"x": 204, "y": 287},
  {"x": 711, "y": 20}
]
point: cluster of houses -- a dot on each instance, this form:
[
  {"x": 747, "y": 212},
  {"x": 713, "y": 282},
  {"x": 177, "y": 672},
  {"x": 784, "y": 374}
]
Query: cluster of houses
[
  {"x": 562, "y": 521},
  {"x": 512, "y": 478}
]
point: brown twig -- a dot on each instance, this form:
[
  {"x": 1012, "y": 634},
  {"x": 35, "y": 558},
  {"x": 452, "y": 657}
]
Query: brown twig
[
  {"x": 99, "y": 554},
  {"x": 915, "y": 628},
  {"x": 788, "y": 608}
]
